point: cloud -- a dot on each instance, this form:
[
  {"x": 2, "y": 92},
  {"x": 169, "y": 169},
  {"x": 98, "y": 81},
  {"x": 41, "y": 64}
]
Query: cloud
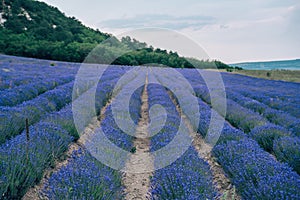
[
  {"x": 230, "y": 30},
  {"x": 162, "y": 21}
]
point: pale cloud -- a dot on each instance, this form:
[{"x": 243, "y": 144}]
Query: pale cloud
[{"x": 162, "y": 21}]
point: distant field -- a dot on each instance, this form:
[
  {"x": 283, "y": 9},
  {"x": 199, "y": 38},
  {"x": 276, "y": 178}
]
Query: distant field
[
  {"x": 284, "y": 75},
  {"x": 285, "y": 70}
]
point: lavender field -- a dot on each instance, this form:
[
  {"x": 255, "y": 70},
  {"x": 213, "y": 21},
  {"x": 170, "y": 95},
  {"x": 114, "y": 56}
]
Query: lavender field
[{"x": 65, "y": 153}]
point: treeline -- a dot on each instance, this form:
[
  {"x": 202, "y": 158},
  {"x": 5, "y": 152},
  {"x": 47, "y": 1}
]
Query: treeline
[{"x": 34, "y": 29}]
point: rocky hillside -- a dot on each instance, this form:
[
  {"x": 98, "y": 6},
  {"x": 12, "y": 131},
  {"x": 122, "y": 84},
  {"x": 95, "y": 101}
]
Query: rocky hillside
[{"x": 34, "y": 29}]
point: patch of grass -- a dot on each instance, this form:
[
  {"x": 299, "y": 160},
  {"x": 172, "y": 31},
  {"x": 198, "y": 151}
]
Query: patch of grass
[{"x": 284, "y": 75}]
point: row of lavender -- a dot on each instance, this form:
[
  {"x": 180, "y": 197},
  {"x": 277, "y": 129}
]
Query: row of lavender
[
  {"x": 17, "y": 71},
  {"x": 274, "y": 116},
  {"x": 274, "y": 96},
  {"x": 37, "y": 107},
  {"x": 85, "y": 177},
  {"x": 26, "y": 92},
  {"x": 278, "y": 95},
  {"x": 275, "y": 131},
  {"x": 259, "y": 110},
  {"x": 186, "y": 175},
  {"x": 254, "y": 172},
  {"x": 13, "y": 118},
  {"x": 23, "y": 159},
  {"x": 40, "y": 89}
]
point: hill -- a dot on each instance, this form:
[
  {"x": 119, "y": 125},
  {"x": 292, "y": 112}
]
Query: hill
[{"x": 34, "y": 29}]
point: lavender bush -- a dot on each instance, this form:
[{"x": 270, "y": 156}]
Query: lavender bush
[
  {"x": 287, "y": 149},
  {"x": 265, "y": 135},
  {"x": 84, "y": 178},
  {"x": 255, "y": 173}
]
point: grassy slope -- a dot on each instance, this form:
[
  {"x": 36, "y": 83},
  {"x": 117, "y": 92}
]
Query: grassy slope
[{"x": 284, "y": 75}]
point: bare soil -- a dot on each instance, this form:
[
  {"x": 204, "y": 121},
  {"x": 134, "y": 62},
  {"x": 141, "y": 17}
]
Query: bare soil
[
  {"x": 220, "y": 180},
  {"x": 36, "y": 193},
  {"x": 137, "y": 184}
]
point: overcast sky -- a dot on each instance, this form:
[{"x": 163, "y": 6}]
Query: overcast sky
[{"x": 228, "y": 30}]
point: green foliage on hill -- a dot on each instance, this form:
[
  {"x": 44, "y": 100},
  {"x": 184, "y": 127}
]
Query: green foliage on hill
[{"x": 34, "y": 29}]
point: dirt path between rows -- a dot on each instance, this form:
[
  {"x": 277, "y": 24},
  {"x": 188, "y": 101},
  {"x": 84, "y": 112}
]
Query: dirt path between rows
[
  {"x": 137, "y": 185},
  {"x": 222, "y": 183},
  {"x": 35, "y": 193}
]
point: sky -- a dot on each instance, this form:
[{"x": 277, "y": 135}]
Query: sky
[{"x": 228, "y": 30}]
